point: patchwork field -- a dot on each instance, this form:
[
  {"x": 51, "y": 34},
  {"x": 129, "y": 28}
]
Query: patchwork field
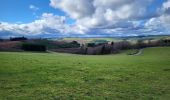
[
  {"x": 130, "y": 39},
  {"x": 48, "y": 76}
]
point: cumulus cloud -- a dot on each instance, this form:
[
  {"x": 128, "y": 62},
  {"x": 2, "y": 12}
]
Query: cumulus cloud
[
  {"x": 47, "y": 25},
  {"x": 76, "y": 9},
  {"x": 161, "y": 22},
  {"x": 166, "y": 7},
  {"x": 46, "y": 22},
  {"x": 98, "y": 17},
  {"x": 116, "y": 16},
  {"x": 98, "y": 13}
]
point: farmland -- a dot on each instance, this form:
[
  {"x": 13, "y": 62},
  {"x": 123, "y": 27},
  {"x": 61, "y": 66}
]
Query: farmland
[
  {"x": 116, "y": 39},
  {"x": 37, "y": 76}
]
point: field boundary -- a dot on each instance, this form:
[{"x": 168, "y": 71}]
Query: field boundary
[
  {"x": 136, "y": 52},
  {"x": 140, "y": 51}
]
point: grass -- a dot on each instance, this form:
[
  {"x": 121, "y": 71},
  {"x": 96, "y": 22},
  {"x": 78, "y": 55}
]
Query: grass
[{"x": 49, "y": 76}]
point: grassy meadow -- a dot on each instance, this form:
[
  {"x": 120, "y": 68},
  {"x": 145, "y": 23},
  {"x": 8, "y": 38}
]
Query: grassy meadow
[{"x": 51, "y": 76}]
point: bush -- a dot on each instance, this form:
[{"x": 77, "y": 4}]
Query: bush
[
  {"x": 100, "y": 42},
  {"x": 33, "y": 47},
  {"x": 91, "y": 45}
]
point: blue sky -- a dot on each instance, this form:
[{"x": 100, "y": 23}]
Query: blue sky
[
  {"x": 50, "y": 18},
  {"x": 14, "y": 11}
]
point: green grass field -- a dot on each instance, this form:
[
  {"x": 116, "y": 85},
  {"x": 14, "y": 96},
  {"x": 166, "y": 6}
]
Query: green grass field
[{"x": 51, "y": 76}]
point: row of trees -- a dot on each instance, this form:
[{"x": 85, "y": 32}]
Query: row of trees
[
  {"x": 95, "y": 48},
  {"x": 33, "y": 47},
  {"x": 18, "y": 38},
  {"x": 115, "y": 47},
  {"x": 43, "y": 45}
]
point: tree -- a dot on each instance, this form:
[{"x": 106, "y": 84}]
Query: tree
[{"x": 33, "y": 47}]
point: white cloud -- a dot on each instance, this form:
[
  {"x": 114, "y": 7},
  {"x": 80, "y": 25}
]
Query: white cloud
[
  {"x": 76, "y": 9},
  {"x": 34, "y": 8},
  {"x": 95, "y": 13},
  {"x": 47, "y": 21},
  {"x": 161, "y": 22},
  {"x": 48, "y": 24},
  {"x": 98, "y": 17},
  {"x": 166, "y": 5}
]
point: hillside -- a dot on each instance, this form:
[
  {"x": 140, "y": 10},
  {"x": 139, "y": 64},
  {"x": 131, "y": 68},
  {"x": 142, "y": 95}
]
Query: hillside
[
  {"x": 87, "y": 46},
  {"x": 35, "y": 76}
]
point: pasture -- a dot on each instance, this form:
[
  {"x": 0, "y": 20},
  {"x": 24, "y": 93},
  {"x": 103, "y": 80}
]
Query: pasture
[{"x": 51, "y": 76}]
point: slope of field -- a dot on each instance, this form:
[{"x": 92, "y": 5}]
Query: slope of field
[
  {"x": 48, "y": 76},
  {"x": 10, "y": 46}
]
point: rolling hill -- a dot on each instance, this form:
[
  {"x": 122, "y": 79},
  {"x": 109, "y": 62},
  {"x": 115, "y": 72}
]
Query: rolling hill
[{"x": 32, "y": 76}]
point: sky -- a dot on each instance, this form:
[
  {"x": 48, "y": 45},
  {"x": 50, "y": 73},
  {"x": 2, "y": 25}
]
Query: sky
[{"x": 84, "y": 18}]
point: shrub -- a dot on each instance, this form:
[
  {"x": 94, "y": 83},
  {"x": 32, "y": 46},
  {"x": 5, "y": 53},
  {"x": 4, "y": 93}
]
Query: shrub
[
  {"x": 33, "y": 47},
  {"x": 100, "y": 42},
  {"x": 91, "y": 45}
]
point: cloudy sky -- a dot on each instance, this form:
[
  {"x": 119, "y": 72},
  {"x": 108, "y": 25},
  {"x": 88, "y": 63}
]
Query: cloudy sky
[{"x": 84, "y": 18}]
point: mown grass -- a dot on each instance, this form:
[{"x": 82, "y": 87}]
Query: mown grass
[{"x": 51, "y": 76}]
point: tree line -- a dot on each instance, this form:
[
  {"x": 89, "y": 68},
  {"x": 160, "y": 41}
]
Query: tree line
[
  {"x": 116, "y": 47},
  {"x": 99, "y": 47}
]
